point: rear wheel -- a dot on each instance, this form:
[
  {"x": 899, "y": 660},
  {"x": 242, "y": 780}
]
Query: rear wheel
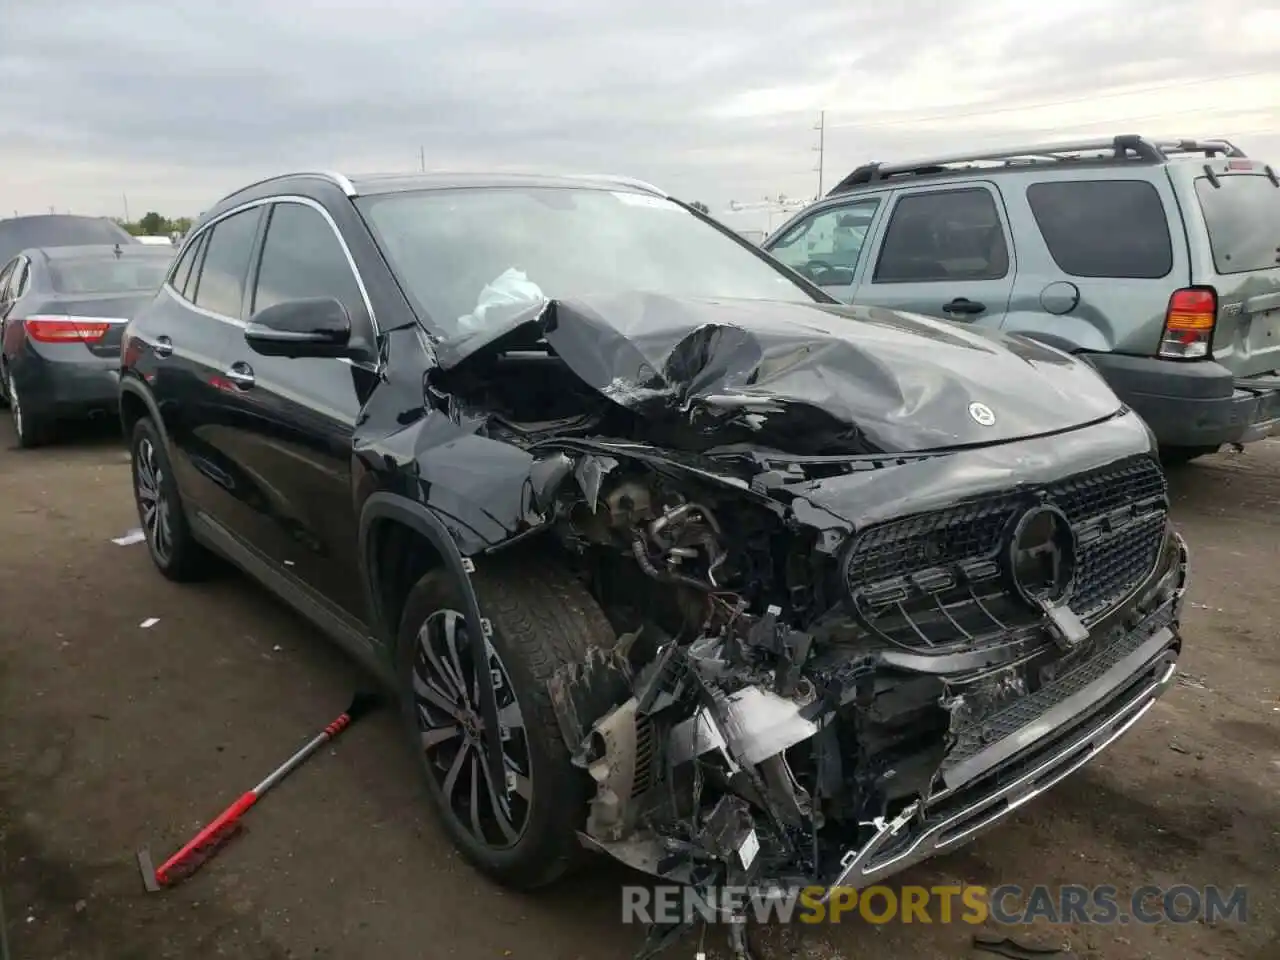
[
  {"x": 32, "y": 427},
  {"x": 173, "y": 548},
  {"x": 522, "y": 832}
]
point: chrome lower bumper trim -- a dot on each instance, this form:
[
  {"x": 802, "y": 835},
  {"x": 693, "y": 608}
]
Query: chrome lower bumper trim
[{"x": 873, "y": 861}]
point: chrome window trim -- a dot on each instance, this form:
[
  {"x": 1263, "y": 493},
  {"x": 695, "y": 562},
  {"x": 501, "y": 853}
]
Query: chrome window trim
[{"x": 249, "y": 205}]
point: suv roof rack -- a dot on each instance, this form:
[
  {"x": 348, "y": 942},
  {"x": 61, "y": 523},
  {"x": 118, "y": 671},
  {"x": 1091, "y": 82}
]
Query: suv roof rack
[{"x": 1127, "y": 147}]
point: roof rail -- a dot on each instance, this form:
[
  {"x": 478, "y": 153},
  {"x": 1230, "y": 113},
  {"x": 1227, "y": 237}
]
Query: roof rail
[
  {"x": 1123, "y": 147},
  {"x": 624, "y": 181},
  {"x": 339, "y": 180}
]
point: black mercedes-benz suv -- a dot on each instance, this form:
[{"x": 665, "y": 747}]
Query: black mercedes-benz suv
[{"x": 665, "y": 553}]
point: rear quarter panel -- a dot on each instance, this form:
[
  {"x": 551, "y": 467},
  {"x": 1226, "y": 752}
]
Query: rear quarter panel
[{"x": 1112, "y": 314}]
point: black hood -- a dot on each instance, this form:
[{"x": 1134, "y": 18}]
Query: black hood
[{"x": 805, "y": 377}]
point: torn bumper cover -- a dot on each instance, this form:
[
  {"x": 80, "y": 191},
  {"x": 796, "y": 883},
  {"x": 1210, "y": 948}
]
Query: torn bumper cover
[{"x": 838, "y": 766}]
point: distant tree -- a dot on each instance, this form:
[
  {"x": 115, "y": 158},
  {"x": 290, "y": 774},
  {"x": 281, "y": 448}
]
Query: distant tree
[
  {"x": 700, "y": 206},
  {"x": 180, "y": 226},
  {"x": 154, "y": 225}
]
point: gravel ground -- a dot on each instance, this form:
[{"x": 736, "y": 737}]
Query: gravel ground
[{"x": 112, "y": 735}]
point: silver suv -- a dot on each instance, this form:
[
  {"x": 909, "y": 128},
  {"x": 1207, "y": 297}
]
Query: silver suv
[{"x": 1158, "y": 263}]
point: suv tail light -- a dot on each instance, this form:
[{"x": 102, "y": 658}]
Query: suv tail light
[
  {"x": 51, "y": 329},
  {"x": 1188, "y": 324}
]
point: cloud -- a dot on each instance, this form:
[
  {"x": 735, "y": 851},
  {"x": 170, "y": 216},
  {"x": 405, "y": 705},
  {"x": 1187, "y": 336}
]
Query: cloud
[{"x": 174, "y": 104}]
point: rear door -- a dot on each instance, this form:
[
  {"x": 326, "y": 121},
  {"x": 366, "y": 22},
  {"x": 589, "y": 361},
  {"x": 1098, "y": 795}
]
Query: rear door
[
  {"x": 943, "y": 251},
  {"x": 1232, "y": 208},
  {"x": 292, "y": 420},
  {"x": 181, "y": 340},
  {"x": 828, "y": 244}
]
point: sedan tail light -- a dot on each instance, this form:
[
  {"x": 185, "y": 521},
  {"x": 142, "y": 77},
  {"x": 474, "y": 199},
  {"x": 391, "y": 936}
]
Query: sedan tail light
[{"x": 53, "y": 329}]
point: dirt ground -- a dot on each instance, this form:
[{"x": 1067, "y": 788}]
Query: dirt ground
[{"x": 112, "y": 736}]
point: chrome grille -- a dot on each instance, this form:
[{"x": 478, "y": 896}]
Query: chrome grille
[{"x": 938, "y": 580}]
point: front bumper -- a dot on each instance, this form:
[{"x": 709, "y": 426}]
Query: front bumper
[{"x": 1043, "y": 738}]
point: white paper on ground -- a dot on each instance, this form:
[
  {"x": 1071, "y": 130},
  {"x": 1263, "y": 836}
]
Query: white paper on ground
[
  {"x": 133, "y": 536},
  {"x": 149, "y": 622}
]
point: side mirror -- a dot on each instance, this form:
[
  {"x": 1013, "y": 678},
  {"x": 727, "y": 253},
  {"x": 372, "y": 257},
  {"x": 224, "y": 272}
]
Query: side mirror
[{"x": 315, "y": 327}]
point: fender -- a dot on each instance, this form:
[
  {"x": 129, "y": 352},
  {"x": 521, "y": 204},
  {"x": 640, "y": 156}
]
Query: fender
[{"x": 389, "y": 506}]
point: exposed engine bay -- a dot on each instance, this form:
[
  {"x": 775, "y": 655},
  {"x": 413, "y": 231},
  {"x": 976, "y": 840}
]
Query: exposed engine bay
[
  {"x": 836, "y": 656},
  {"x": 778, "y": 713}
]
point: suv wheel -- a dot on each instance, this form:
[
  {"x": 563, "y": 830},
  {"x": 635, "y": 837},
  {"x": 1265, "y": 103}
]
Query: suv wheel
[
  {"x": 173, "y": 549},
  {"x": 542, "y": 617}
]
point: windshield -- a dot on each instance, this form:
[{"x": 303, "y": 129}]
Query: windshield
[
  {"x": 99, "y": 275},
  {"x": 459, "y": 252}
]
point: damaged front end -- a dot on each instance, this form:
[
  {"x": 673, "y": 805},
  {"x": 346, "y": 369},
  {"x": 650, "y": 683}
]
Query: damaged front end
[
  {"x": 860, "y": 639},
  {"x": 788, "y": 707}
]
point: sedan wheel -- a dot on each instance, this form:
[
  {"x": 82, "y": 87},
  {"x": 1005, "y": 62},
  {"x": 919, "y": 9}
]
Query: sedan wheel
[
  {"x": 15, "y": 408},
  {"x": 31, "y": 429},
  {"x": 451, "y": 726}
]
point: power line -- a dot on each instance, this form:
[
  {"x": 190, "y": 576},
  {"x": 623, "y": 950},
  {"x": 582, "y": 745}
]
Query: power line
[
  {"x": 1051, "y": 103},
  {"x": 821, "y": 147}
]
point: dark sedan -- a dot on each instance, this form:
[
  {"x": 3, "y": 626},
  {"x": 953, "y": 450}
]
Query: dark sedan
[{"x": 62, "y": 310}]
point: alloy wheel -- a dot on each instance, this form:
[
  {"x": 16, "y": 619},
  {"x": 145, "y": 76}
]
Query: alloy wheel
[
  {"x": 451, "y": 731},
  {"x": 153, "y": 505}
]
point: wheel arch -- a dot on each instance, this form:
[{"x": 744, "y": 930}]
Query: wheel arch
[
  {"x": 137, "y": 402},
  {"x": 381, "y": 514}
]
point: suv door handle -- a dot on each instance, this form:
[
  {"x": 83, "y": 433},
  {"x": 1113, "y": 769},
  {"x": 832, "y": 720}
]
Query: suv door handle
[
  {"x": 241, "y": 374},
  {"x": 163, "y": 347},
  {"x": 962, "y": 306}
]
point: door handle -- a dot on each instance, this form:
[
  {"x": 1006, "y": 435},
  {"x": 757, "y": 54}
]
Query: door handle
[
  {"x": 964, "y": 307},
  {"x": 241, "y": 374},
  {"x": 163, "y": 347}
]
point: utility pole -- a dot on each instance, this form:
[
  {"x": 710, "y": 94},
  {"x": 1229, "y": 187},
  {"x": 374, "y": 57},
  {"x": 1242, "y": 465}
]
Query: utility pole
[
  {"x": 126, "y": 206},
  {"x": 422, "y": 159},
  {"x": 821, "y": 127}
]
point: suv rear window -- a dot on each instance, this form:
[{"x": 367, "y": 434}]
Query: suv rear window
[
  {"x": 1243, "y": 219},
  {"x": 1103, "y": 228}
]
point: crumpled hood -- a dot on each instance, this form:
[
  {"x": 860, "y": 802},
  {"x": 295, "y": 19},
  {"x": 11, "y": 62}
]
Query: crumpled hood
[{"x": 804, "y": 378}]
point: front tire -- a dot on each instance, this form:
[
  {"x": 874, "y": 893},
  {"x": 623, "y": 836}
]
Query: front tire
[
  {"x": 542, "y": 617},
  {"x": 173, "y": 548}
]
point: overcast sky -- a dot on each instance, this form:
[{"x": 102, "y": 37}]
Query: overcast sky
[{"x": 175, "y": 103}]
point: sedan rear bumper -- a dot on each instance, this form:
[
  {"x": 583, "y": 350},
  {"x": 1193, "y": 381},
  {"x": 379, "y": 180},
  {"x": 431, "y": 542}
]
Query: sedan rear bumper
[{"x": 74, "y": 386}]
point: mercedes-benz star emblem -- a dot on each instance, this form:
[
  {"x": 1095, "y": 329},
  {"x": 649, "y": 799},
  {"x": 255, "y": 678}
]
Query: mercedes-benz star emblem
[
  {"x": 981, "y": 414},
  {"x": 1042, "y": 555}
]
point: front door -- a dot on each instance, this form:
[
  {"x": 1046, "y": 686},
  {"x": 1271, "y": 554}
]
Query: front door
[
  {"x": 945, "y": 252},
  {"x": 293, "y": 419}
]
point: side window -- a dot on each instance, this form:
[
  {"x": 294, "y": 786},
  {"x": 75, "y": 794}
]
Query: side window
[
  {"x": 193, "y": 279},
  {"x": 5, "y": 273},
  {"x": 943, "y": 235},
  {"x": 182, "y": 269},
  {"x": 302, "y": 258},
  {"x": 1103, "y": 228},
  {"x": 18, "y": 283},
  {"x": 220, "y": 288},
  {"x": 827, "y": 246}
]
